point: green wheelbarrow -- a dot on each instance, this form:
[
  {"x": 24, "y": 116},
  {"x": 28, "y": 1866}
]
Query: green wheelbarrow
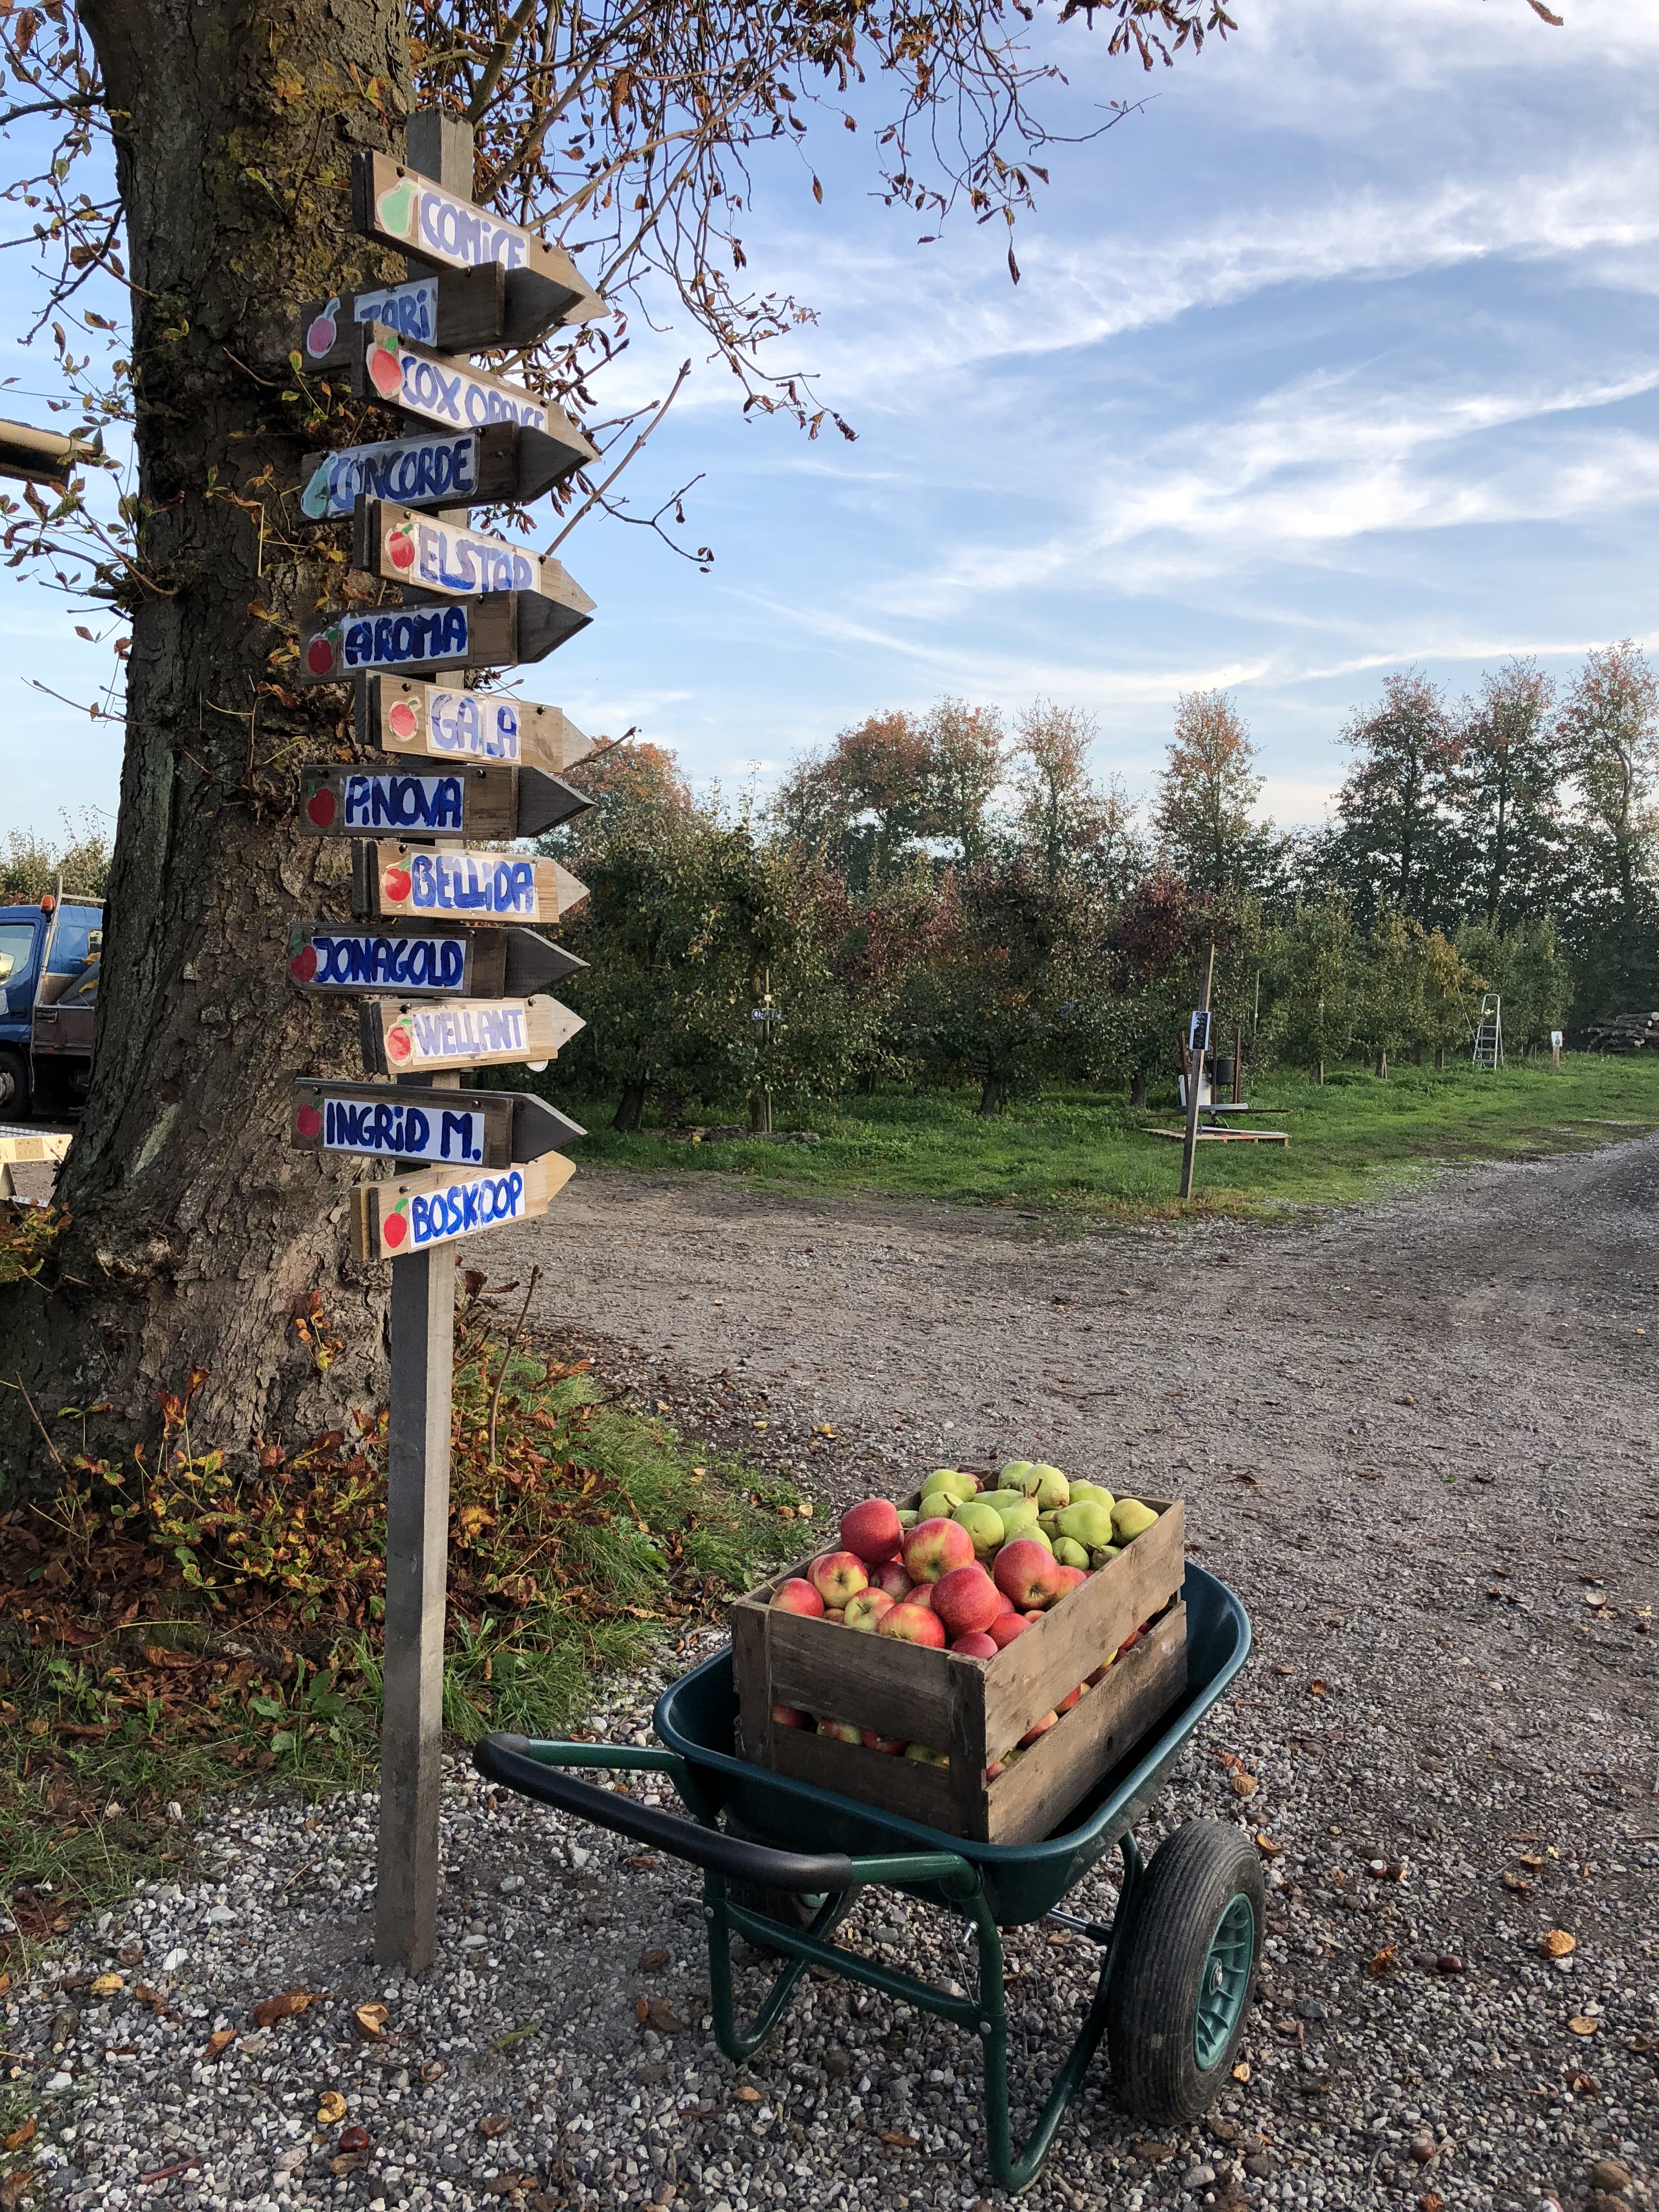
[{"x": 783, "y": 1862}]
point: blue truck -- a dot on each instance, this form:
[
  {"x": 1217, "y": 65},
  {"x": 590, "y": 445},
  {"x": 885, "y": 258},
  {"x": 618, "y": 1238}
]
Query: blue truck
[{"x": 50, "y": 956}]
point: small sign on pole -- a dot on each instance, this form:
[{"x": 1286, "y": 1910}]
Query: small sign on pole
[{"x": 1557, "y": 1040}]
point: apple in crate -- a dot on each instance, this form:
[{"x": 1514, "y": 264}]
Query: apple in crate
[
  {"x": 966, "y": 1599},
  {"x": 838, "y": 1576},
  {"x": 797, "y": 1596},
  {"x": 842, "y": 1731},
  {"x": 1069, "y": 1579},
  {"x": 977, "y": 1645},
  {"x": 865, "y": 1608},
  {"x": 924, "y": 1757},
  {"x": 1037, "y": 1728},
  {"x": 1028, "y": 1573},
  {"x": 791, "y": 1716},
  {"x": 893, "y": 1746},
  {"x": 933, "y": 1547},
  {"x": 871, "y": 1531},
  {"x": 1069, "y": 1700},
  {"x": 913, "y": 1624},
  {"x": 1007, "y": 1626},
  {"x": 891, "y": 1577}
]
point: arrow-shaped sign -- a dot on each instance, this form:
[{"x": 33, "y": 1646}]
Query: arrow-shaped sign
[
  {"x": 450, "y": 394},
  {"x": 404, "y": 960},
  {"x": 399, "y": 1040},
  {"x": 397, "y": 716},
  {"x": 414, "y": 1213},
  {"x": 388, "y": 877},
  {"x": 420, "y": 801},
  {"x": 459, "y": 1129},
  {"x": 489, "y": 632},
  {"x": 436, "y": 556},
  {"x": 503, "y": 464},
  {"x": 463, "y": 311},
  {"x": 399, "y": 207}
]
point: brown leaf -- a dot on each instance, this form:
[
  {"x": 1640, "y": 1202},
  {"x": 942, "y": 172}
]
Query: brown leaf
[
  {"x": 221, "y": 2039},
  {"x": 1517, "y": 1882},
  {"x": 748, "y": 2094},
  {"x": 659, "y": 2015},
  {"x": 899, "y": 2140},
  {"x": 649, "y": 1962},
  {"x": 641, "y": 2008},
  {"x": 1558, "y": 1944},
  {"x": 508, "y": 2185},
  {"x": 15, "y": 2188},
  {"x": 19, "y": 2136},
  {"x": 433, "y": 2069},
  {"x": 1384, "y": 1961},
  {"x": 1532, "y": 1865},
  {"x": 1241, "y": 2071},
  {"x": 1580, "y": 2024},
  {"x": 642, "y": 1860},
  {"x": 1582, "y": 2085},
  {"x": 270, "y": 2010},
  {"x": 106, "y": 1985},
  {"x": 494, "y": 2123},
  {"x": 157, "y": 1654},
  {"x": 352, "y": 2162},
  {"x": 1267, "y": 1846},
  {"x": 1244, "y": 1785},
  {"x": 369, "y": 2020},
  {"x": 1428, "y": 2201},
  {"x": 330, "y": 2108},
  {"x": 1318, "y": 1687}
]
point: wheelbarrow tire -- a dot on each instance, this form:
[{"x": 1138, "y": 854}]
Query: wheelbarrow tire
[
  {"x": 1181, "y": 1986},
  {"x": 789, "y": 1907}
]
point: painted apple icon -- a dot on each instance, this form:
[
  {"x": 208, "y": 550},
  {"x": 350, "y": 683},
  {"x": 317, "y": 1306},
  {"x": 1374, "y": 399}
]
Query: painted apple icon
[
  {"x": 394, "y": 884},
  {"x": 398, "y": 1042},
  {"x": 385, "y": 371},
  {"x": 320, "y": 336},
  {"x": 402, "y": 720},
  {"x": 308, "y": 1121},
  {"x": 321, "y": 651},
  {"x": 401, "y": 548},
  {"x": 320, "y": 806},
  {"x": 303, "y": 965},
  {"x": 393, "y": 1230}
]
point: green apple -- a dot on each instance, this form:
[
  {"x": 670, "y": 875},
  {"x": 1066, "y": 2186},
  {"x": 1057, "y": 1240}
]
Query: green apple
[
  {"x": 1047, "y": 1486},
  {"x": 1070, "y": 1554},
  {"x": 1088, "y": 1523},
  {"x": 983, "y": 1523},
  {"x": 1130, "y": 1519}
]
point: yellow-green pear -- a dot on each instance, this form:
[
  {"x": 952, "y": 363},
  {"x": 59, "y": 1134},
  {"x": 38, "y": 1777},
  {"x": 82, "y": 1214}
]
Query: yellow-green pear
[
  {"x": 1081, "y": 1490},
  {"x": 1130, "y": 1519},
  {"x": 984, "y": 1524},
  {"x": 960, "y": 1486},
  {"x": 1046, "y": 1522},
  {"x": 1012, "y": 1476},
  {"x": 908, "y": 1517},
  {"x": 1047, "y": 1486},
  {"x": 1101, "y": 1554},
  {"x": 1070, "y": 1554},
  {"x": 937, "y": 1505},
  {"x": 1088, "y": 1523},
  {"x": 1036, "y": 1535},
  {"x": 1017, "y": 1513}
]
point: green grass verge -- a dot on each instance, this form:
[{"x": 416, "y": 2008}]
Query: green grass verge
[
  {"x": 1086, "y": 1153},
  {"x": 127, "y": 1689}
]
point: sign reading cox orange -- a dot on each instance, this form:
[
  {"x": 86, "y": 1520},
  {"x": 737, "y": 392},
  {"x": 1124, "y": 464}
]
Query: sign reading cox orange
[{"x": 450, "y": 392}]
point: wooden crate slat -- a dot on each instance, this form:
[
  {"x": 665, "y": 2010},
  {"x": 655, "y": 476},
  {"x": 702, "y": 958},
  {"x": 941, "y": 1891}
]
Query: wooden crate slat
[
  {"x": 839, "y": 1673},
  {"x": 904, "y": 1786}
]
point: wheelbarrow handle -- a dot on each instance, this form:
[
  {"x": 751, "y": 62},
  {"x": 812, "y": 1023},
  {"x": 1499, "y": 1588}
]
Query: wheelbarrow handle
[{"x": 508, "y": 1759}]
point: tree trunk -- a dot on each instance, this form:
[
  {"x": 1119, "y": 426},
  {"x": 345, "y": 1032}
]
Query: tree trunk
[
  {"x": 867, "y": 1083},
  {"x": 1382, "y": 1066},
  {"x": 1137, "y": 1090},
  {"x": 760, "y": 1114},
  {"x": 1440, "y": 1059},
  {"x": 1319, "y": 1073},
  {"x": 992, "y": 1097},
  {"x": 1417, "y": 1055},
  {"x": 196, "y": 1231},
  {"x": 630, "y": 1107}
]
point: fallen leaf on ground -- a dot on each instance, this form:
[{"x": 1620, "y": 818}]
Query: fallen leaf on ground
[
  {"x": 508, "y": 2185},
  {"x": 1581, "y": 2025},
  {"x": 1583, "y": 2086},
  {"x": 649, "y": 1962},
  {"x": 640, "y": 1860},
  {"x": 369, "y": 2020},
  {"x": 1384, "y": 1960},
  {"x": 1533, "y": 1865},
  {"x": 641, "y": 2007},
  {"x": 1318, "y": 1687},
  {"x": 494, "y": 2123},
  {"x": 270, "y": 2010},
  {"x": 659, "y": 2015},
  {"x": 330, "y": 2108},
  {"x": 1518, "y": 1883},
  {"x": 433, "y": 2069},
  {"x": 748, "y": 2094},
  {"x": 1558, "y": 1944},
  {"x": 352, "y": 2162},
  {"x": 899, "y": 2140},
  {"x": 106, "y": 1985},
  {"x": 15, "y": 2188},
  {"x": 1241, "y": 2071},
  {"x": 1242, "y": 1785},
  {"x": 221, "y": 2039},
  {"x": 19, "y": 2136},
  {"x": 1428, "y": 2202},
  {"x": 1267, "y": 1846}
]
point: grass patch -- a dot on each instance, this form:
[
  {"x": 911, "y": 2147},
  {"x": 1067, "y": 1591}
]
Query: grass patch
[
  {"x": 169, "y": 1628},
  {"x": 1087, "y": 1154}
]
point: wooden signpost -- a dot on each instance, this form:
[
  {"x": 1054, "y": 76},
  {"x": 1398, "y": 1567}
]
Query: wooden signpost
[
  {"x": 400, "y": 716},
  {"x": 443, "y": 976}
]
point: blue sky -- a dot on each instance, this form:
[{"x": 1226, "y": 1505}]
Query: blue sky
[{"x": 1342, "y": 354}]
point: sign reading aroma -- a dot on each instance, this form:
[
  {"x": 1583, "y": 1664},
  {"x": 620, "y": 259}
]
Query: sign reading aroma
[{"x": 487, "y": 632}]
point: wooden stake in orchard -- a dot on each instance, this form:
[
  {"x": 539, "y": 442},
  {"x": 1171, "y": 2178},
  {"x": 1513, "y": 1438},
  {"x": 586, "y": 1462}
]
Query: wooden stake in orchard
[{"x": 447, "y": 974}]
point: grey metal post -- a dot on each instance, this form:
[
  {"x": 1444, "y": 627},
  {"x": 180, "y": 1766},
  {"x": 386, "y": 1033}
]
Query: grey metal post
[
  {"x": 417, "y": 1477},
  {"x": 1194, "y": 1084}
]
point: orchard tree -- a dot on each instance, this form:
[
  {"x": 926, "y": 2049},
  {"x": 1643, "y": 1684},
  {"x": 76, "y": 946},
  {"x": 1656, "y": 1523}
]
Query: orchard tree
[
  {"x": 1074, "y": 826},
  {"x": 1508, "y": 795},
  {"x": 1207, "y": 793},
  {"x": 1610, "y": 730},
  {"x": 631, "y": 132},
  {"x": 1397, "y": 843},
  {"x": 1312, "y": 975}
]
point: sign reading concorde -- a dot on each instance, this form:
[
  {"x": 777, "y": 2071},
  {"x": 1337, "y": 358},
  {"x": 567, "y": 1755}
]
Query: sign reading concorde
[{"x": 503, "y": 463}]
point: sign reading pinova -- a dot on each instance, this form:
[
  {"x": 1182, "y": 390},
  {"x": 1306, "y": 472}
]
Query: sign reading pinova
[
  {"x": 461, "y": 1128},
  {"x": 489, "y": 632},
  {"x": 470, "y": 1033},
  {"x": 396, "y": 715},
  {"x": 413, "y": 1213},
  {"x": 463, "y": 801},
  {"x": 401, "y": 959},
  {"x": 502, "y": 462},
  {"x": 390, "y": 878}
]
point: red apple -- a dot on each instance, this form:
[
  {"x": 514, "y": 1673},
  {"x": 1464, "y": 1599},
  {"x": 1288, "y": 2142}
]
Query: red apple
[
  {"x": 865, "y": 1608},
  {"x": 1028, "y": 1573},
  {"x": 836, "y": 1613},
  {"x": 977, "y": 1646},
  {"x": 398, "y": 1042},
  {"x": 1006, "y": 1627},
  {"x": 891, "y": 1577},
  {"x": 892, "y": 1745},
  {"x": 394, "y": 884},
  {"x": 308, "y": 1121},
  {"x": 401, "y": 548},
  {"x": 790, "y": 1716},
  {"x": 320, "y": 807},
  {"x": 798, "y": 1596},
  {"x": 319, "y": 654},
  {"x": 1037, "y": 1728},
  {"x": 871, "y": 1530},
  {"x": 303, "y": 966},
  {"x": 965, "y": 1600},
  {"x": 1070, "y": 1578},
  {"x": 920, "y": 1594},
  {"x": 319, "y": 331},
  {"x": 933, "y": 1547},
  {"x": 842, "y": 1731},
  {"x": 393, "y": 1230},
  {"x": 913, "y": 1624},
  {"x": 385, "y": 371},
  {"x": 1099, "y": 1674},
  {"x": 1071, "y": 1698},
  {"x": 838, "y": 1576},
  {"x": 1008, "y": 1605},
  {"x": 1128, "y": 1643},
  {"x": 403, "y": 721}
]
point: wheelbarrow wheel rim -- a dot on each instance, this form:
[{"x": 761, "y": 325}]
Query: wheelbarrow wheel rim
[{"x": 1224, "y": 1982}]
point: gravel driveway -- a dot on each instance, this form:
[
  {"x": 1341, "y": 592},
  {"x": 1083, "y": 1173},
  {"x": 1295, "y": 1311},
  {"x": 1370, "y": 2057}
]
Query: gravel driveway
[{"x": 1416, "y": 1439}]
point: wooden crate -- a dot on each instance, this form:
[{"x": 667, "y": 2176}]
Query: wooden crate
[{"x": 974, "y": 1709}]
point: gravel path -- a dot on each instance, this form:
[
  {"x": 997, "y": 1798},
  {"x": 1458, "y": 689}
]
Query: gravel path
[{"x": 1417, "y": 1440}]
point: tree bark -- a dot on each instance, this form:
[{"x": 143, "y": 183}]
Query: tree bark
[
  {"x": 990, "y": 1097},
  {"x": 630, "y": 1107},
  {"x": 196, "y": 1232},
  {"x": 1137, "y": 1090},
  {"x": 866, "y": 1087},
  {"x": 1439, "y": 1058},
  {"x": 1319, "y": 1073},
  {"x": 1382, "y": 1066}
]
